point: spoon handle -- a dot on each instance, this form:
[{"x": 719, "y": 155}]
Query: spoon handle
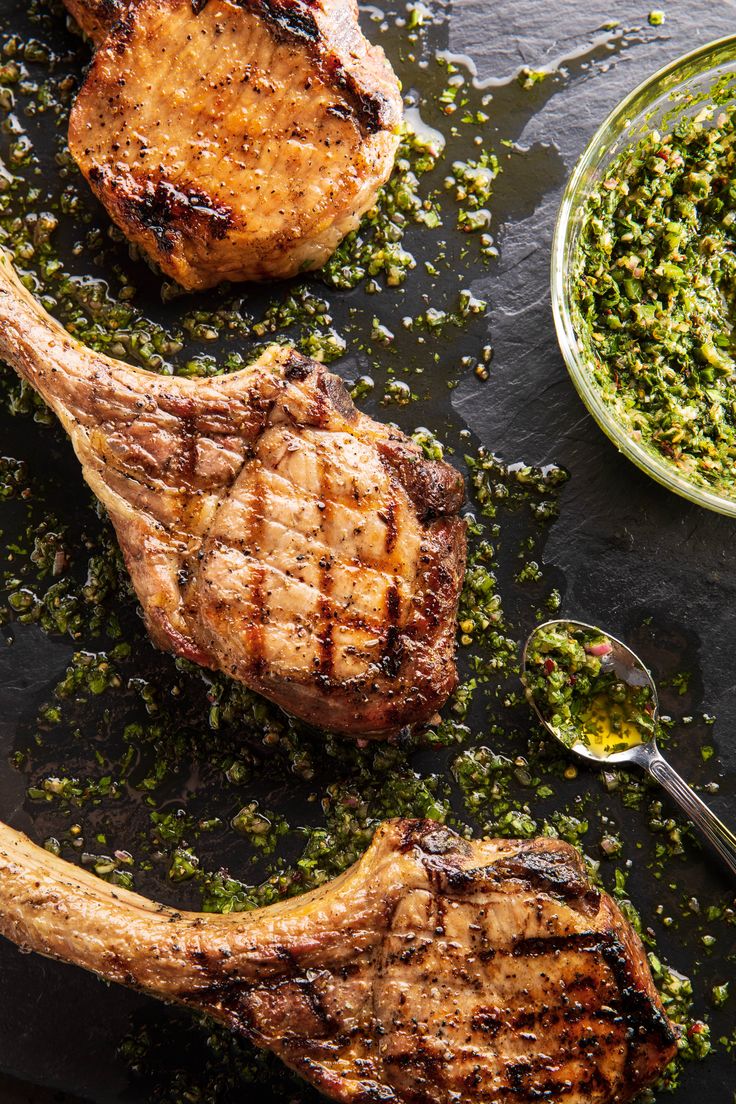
[{"x": 714, "y": 830}]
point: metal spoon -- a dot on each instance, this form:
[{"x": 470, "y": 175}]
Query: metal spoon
[{"x": 629, "y": 668}]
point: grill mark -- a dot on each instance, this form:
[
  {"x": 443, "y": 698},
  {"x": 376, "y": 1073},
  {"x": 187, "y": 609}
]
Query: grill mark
[
  {"x": 393, "y": 648},
  {"x": 325, "y": 637},
  {"x": 493, "y": 1020},
  {"x": 536, "y": 947},
  {"x": 644, "y": 1021},
  {"x": 556, "y": 875},
  {"x": 389, "y": 518},
  {"x": 353, "y": 620},
  {"x": 393, "y": 652},
  {"x": 373, "y": 623},
  {"x": 355, "y": 515},
  {"x": 188, "y": 457},
  {"x": 522, "y": 1081},
  {"x": 314, "y": 1000},
  {"x": 255, "y": 630},
  {"x": 190, "y": 569}
]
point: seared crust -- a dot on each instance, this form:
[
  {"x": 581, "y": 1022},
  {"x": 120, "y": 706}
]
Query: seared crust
[
  {"x": 270, "y": 529},
  {"x": 96, "y": 17},
  {"x": 435, "y": 971},
  {"x": 235, "y": 139}
]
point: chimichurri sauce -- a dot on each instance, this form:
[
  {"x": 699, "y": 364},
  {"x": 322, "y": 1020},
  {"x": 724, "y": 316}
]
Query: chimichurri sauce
[
  {"x": 581, "y": 694},
  {"x": 654, "y": 289}
]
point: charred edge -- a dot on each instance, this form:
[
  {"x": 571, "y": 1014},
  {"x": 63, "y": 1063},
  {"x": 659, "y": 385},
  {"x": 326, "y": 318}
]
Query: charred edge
[
  {"x": 373, "y": 111},
  {"x": 297, "y": 368},
  {"x": 371, "y": 1092},
  {"x": 100, "y": 15},
  {"x": 431, "y": 838},
  {"x": 166, "y": 636},
  {"x": 646, "y": 1023},
  {"x": 113, "y": 15},
  {"x": 166, "y": 210},
  {"x": 333, "y": 388},
  {"x": 553, "y": 872},
  {"x": 365, "y": 1091},
  {"x": 435, "y": 489},
  {"x": 288, "y": 20}
]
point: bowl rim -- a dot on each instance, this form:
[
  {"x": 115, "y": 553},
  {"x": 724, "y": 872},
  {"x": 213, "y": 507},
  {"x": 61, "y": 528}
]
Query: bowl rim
[{"x": 661, "y": 471}]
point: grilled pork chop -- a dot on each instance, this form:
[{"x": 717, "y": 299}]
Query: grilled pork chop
[
  {"x": 270, "y": 529},
  {"x": 434, "y": 971},
  {"x": 234, "y": 139}
]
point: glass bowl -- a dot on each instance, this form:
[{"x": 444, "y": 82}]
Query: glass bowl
[{"x": 655, "y": 105}]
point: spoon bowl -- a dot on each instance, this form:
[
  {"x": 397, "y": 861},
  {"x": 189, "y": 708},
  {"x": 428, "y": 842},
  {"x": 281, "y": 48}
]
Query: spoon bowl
[
  {"x": 593, "y": 668},
  {"x": 618, "y": 661}
]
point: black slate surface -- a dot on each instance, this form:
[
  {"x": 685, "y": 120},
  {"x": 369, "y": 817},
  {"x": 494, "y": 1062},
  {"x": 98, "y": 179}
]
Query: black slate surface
[{"x": 624, "y": 549}]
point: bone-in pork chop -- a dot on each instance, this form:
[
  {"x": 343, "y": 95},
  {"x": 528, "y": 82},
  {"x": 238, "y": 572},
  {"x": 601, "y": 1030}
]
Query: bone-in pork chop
[
  {"x": 435, "y": 971},
  {"x": 234, "y": 139},
  {"x": 270, "y": 529}
]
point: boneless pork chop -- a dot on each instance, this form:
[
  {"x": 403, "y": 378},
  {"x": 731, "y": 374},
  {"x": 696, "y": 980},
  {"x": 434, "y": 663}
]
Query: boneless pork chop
[
  {"x": 234, "y": 139},
  {"x": 270, "y": 529},
  {"x": 435, "y": 971}
]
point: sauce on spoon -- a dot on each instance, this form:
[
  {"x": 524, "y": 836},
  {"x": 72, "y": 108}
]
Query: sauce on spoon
[
  {"x": 598, "y": 699},
  {"x": 584, "y": 693}
]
